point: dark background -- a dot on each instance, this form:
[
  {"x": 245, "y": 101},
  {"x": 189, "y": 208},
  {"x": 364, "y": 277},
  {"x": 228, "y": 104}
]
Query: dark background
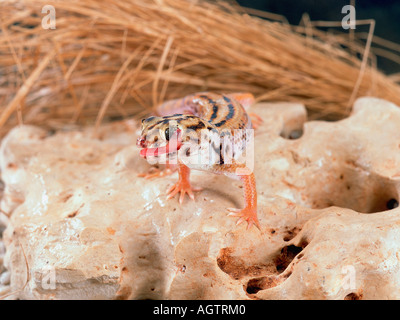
[{"x": 386, "y": 14}]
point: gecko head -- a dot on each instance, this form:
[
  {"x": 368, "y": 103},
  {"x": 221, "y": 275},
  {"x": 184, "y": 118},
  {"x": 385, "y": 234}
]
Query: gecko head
[
  {"x": 166, "y": 135},
  {"x": 159, "y": 136}
]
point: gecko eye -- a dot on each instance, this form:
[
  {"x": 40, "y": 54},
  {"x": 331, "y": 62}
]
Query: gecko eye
[{"x": 167, "y": 134}]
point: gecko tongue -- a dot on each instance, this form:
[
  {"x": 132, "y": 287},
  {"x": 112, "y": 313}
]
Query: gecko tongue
[{"x": 154, "y": 152}]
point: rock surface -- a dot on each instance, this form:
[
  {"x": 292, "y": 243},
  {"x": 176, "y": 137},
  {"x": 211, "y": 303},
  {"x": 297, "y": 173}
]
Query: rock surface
[{"x": 82, "y": 225}]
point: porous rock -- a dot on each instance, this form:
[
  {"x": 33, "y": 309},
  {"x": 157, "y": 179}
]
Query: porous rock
[{"x": 82, "y": 225}]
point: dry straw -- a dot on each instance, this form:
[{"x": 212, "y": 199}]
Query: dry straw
[{"x": 111, "y": 59}]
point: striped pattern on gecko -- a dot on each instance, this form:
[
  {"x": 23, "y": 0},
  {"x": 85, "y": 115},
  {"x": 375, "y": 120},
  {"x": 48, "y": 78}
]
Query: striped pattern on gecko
[{"x": 177, "y": 135}]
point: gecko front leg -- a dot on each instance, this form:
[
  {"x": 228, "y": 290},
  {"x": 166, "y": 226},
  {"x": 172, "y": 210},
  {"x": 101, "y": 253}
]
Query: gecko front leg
[{"x": 183, "y": 185}]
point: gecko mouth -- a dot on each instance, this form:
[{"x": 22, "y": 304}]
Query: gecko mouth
[
  {"x": 155, "y": 152},
  {"x": 173, "y": 145}
]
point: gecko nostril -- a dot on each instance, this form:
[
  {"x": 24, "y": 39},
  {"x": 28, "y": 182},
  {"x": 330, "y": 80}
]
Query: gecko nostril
[{"x": 140, "y": 142}]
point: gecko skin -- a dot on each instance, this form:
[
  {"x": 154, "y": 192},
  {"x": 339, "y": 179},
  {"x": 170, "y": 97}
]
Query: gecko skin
[{"x": 175, "y": 134}]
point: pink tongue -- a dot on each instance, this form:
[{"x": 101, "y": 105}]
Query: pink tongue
[
  {"x": 153, "y": 152},
  {"x": 143, "y": 153},
  {"x": 157, "y": 151}
]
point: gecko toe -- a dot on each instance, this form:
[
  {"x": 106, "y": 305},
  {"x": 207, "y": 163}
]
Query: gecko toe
[
  {"x": 246, "y": 214},
  {"x": 183, "y": 188}
]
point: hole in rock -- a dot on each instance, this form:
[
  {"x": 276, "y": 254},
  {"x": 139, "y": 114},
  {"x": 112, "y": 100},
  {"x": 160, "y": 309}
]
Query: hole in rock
[
  {"x": 391, "y": 204},
  {"x": 353, "y": 296},
  {"x": 292, "y": 134},
  {"x": 263, "y": 283},
  {"x": 257, "y": 284},
  {"x": 350, "y": 186},
  {"x": 300, "y": 255},
  {"x": 281, "y": 261},
  {"x": 286, "y": 256}
]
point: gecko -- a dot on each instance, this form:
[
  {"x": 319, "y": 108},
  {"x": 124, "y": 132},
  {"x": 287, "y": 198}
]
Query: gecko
[{"x": 173, "y": 135}]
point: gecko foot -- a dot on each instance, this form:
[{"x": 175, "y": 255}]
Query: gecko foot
[
  {"x": 156, "y": 173},
  {"x": 256, "y": 120},
  {"x": 182, "y": 186},
  {"x": 248, "y": 214}
]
